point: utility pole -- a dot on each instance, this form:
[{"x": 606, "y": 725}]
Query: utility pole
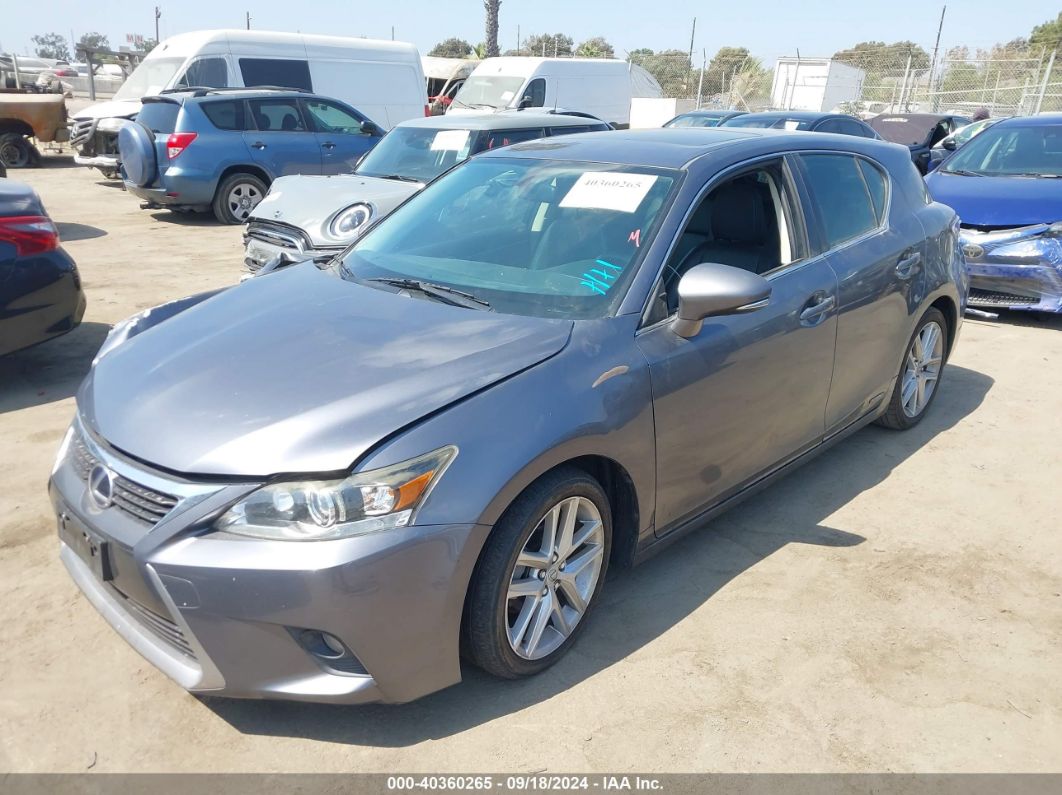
[
  {"x": 1043, "y": 85},
  {"x": 392, "y": 33},
  {"x": 518, "y": 39},
  {"x": 933, "y": 63},
  {"x": 158, "y": 14},
  {"x": 689, "y": 75},
  {"x": 248, "y": 20}
]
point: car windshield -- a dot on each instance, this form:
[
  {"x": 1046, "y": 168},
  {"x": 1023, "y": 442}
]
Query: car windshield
[
  {"x": 529, "y": 237},
  {"x": 416, "y": 153},
  {"x": 964, "y": 134},
  {"x": 1002, "y": 151},
  {"x": 153, "y": 75},
  {"x": 495, "y": 91},
  {"x": 773, "y": 122},
  {"x": 693, "y": 120}
]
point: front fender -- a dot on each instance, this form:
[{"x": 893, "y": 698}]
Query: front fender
[{"x": 592, "y": 398}]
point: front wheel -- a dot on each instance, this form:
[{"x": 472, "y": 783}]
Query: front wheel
[
  {"x": 920, "y": 373},
  {"x": 539, "y": 574},
  {"x": 237, "y": 196},
  {"x": 15, "y": 151}
]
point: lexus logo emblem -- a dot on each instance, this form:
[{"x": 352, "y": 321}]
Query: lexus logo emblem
[{"x": 101, "y": 486}]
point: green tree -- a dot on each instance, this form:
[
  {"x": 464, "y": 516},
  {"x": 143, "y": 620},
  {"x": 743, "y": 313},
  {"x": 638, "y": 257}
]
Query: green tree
[
  {"x": 146, "y": 46},
  {"x": 94, "y": 41},
  {"x": 596, "y": 47},
  {"x": 1048, "y": 35},
  {"x": 750, "y": 86},
  {"x": 493, "y": 9},
  {"x": 452, "y": 48},
  {"x": 877, "y": 57},
  {"x": 51, "y": 45},
  {"x": 724, "y": 65},
  {"x": 671, "y": 68},
  {"x": 547, "y": 44}
]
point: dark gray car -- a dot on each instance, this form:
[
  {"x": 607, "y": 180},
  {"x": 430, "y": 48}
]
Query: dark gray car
[{"x": 559, "y": 356}]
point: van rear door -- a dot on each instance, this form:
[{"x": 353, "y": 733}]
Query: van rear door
[{"x": 282, "y": 142}]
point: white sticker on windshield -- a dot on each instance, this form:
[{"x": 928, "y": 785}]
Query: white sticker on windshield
[
  {"x": 449, "y": 140},
  {"x": 507, "y": 95},
  {"x": 792, "y": 124},
  {"x": 609, "y": 190}
]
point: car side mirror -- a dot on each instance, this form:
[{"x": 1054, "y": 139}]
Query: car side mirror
[
  {"x": 949, "y": 144},
  {"x": 712, "y": 290},
  {"x": 370, "y": 128}
]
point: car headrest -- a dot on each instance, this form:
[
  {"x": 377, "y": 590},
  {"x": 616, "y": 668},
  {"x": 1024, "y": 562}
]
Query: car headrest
[{"x": 737, "y": 213}]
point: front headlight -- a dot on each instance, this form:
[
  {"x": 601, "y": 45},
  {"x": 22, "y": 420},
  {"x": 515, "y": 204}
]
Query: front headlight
[
  {"x": 317, "y": 510},
  {"x": 347, "y": 222}
]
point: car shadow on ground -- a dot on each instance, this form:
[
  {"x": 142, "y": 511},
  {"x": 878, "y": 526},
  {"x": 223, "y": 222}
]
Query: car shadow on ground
[
  {"x": 111, "y": 183},
  {"x": 185, "y": 219},
  {"x": 1044, "y": 320},
  {"x": 50, "y": 371},
  {"x": 56, "y": 160},
  {"x": 640, "y": 605},
  {"x": 70, "y": 231}
]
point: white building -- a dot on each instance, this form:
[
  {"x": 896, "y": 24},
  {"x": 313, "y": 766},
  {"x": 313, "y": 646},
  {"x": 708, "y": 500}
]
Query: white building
[{"x": 818, "y": 84}]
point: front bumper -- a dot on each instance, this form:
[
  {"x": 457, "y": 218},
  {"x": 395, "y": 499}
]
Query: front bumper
[
  {"x": 265, "y": 241},
  {"x": 223, "y": 615},
  {"x": 1018, "y": 268},
  {"x": 102, "y": 162}
]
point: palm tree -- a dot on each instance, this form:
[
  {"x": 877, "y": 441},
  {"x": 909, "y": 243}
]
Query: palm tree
[{"x": 492, "y": 7}]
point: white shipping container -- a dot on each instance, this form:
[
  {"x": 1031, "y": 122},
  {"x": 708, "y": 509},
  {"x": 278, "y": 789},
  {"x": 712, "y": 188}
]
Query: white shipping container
[{"x": 815, "y": 84}]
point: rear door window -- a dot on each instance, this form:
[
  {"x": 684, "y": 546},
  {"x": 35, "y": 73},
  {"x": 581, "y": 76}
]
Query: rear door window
[
  {"x": 842, "y": 199},
  {"x": 159, "y": 117},
  {"x": 830, "y": 126},
  {"x": 496, "y": 138},
  {"x": 277, "y": 115},
  {"x": 227, "y": 114},
  {"x": 286, "y": 73},
  {"x": 570, "y": 130}
]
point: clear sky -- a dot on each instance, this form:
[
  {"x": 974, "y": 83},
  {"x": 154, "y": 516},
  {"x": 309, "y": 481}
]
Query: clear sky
[{"x": 769, "y": 28}]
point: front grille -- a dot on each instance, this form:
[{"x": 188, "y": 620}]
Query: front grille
[
  {"x": 132, "y": 498},
  {"x": 159, "y": 626},
  {"x": 994, "y": 298},
  {"x": 81, "y": 132}
]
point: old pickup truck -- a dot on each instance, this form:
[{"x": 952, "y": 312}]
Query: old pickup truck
[{"x": 26, "y": 116}]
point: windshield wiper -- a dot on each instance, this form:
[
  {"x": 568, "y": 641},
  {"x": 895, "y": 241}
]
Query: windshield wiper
[
  {"x": 440, "y": 292},
  {"x": 399, "y": 177},
  {"x": 964, "y": 173},
  {"x": 475, "y": 105}
]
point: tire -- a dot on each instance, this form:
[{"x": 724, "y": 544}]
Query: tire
[
  {"x": 549, "y": 600},
  {"x": 229, "y": 203},
  {"x": 902, "y": 413},
  {"x": 15, "y": 150}
]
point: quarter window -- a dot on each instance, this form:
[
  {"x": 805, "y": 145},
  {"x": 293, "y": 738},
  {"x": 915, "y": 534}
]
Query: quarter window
[
  {"x": 497, "y": 138},
  {"x": 841, "y": 196},
  {"x": 226, "y": 115},
  {"x": 276, "y": 72},
  {"x": 876, "y": 185}
]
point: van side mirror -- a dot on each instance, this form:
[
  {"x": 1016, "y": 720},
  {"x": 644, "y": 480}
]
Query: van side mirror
[
  {"x": 949, "y": 144},
  {"x": 525, "y": 101},
  {"x": 712, "y": 290},
  {"x": 370, "y": 128}
]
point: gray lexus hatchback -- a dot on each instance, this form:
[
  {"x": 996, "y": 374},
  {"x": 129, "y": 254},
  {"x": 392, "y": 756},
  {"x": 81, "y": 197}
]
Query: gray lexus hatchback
[{"x": 327, "y": 484}]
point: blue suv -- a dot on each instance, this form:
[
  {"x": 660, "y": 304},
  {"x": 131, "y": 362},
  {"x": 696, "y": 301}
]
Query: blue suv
[{"x": 219, "y": 149}]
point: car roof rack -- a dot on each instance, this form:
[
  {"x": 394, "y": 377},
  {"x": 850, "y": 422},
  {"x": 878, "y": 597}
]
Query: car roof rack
[{"x": 202, "y": 91}]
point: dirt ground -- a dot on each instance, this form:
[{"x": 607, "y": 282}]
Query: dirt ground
[{"x": 894, "y": 606}]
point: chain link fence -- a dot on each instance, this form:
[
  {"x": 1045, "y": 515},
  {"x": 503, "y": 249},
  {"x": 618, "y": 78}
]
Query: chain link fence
[{"x": 1006, "y": 81}]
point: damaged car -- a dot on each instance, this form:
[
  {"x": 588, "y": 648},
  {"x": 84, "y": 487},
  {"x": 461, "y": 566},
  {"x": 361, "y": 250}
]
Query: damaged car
[
  {"x": 306, "y": 217},
  {"x": 331, "y": 483},
  {"x": 1006, "y": 186},
  {"x": 919, "y": 132}
]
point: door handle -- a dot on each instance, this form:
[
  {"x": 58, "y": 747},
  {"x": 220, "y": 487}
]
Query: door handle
[
  {"x": 258, "y": 145},
  {"x": 905, "y": 268},
  {"x": 328, "y": 145},
  {"x": 810, "y": 314}
]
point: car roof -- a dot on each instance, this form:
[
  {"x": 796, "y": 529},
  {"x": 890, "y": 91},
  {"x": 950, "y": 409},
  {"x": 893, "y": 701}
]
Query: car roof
[
  {"x": 710, "y": 112},
  {"x": 498, "y": 121},
  {"x": 800, "y": 115},
  {"x": 194, "y": 93},
  {"x": 674, "y": 147},
  {"x": 924, "y": 118},
  {"x": 1040, "y": 120}
]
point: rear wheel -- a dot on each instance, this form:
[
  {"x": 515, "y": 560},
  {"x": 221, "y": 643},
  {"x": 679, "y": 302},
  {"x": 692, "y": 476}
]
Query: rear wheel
[
  {"x": 538, "y": 576},
  {"x": 920, "y": 373},
  {"x": 237, "y": 195},
  {"x": 15, "y": 150}
]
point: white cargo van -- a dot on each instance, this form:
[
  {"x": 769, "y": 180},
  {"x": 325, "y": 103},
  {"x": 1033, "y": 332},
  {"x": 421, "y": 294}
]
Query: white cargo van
[
  {"x": 382, "y": 79},
  {"x": 602, "y": 87}
]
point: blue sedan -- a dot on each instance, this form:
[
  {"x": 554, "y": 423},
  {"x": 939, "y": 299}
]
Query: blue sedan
[{"x": 1006, "y": 186}]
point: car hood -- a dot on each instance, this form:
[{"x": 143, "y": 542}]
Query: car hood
[
  {"x": 998, "y": 201},
  {"x": 298, "y": 372},
  {"x": 116, "y": 109},
  {"x": 309, "y": 202}
]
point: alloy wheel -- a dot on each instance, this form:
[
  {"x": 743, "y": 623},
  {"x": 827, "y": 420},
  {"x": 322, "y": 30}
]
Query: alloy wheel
[
  {"x": 242, "y": 199},
  {"x": 555, "y": 577},
  {"x": 925, "y": 358}
]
